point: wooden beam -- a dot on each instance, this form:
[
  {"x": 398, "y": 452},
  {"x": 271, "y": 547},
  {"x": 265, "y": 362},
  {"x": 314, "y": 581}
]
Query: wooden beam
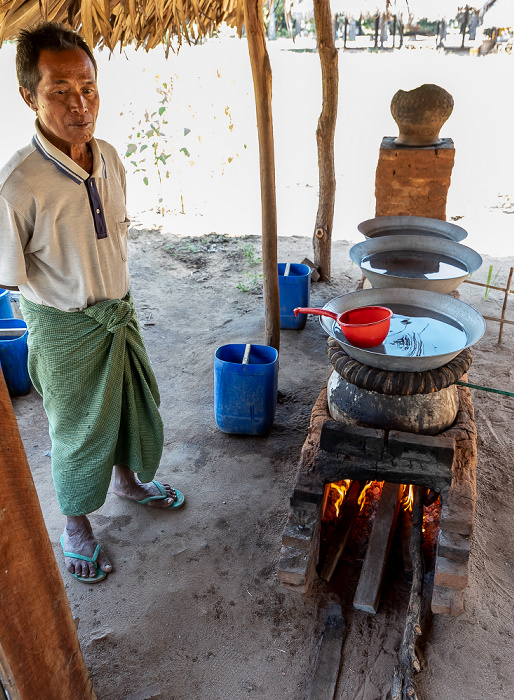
[
  {"x": 367, "y": 595},
  {"x": 325, "y": 132},
  {"x": 40, "y": 654},
  {"x": 328, "y": 661},
  {"x": 261, "y": 71},
  {"x": 344, "y": 526}
]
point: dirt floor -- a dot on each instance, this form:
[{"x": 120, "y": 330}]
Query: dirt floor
[{"x": 193, "y": 608}]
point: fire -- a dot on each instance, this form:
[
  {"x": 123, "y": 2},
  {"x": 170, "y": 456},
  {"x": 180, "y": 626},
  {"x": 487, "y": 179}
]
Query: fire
[
  {"x": 362, "y": 496},
  {"x": 408, "y": 497},
  {"x": 342, "y": 490}
]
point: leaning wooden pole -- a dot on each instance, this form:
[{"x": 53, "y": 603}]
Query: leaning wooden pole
[
  {"x": 40, "y": 656},
  {"x": 261, "y": 71},
  {"x": 325, "y": 133},
  {"x": 403, "y": 681}
]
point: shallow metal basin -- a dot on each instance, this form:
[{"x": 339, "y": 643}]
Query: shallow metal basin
[
  {"x": 416, "y": 245},
  {"x": 411, "y": 225},
  {"x": 452, "y": 312}
]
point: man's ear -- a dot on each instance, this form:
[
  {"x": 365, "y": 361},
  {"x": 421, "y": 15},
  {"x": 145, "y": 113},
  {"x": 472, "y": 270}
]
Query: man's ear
[{"x": 27, "y": 98}]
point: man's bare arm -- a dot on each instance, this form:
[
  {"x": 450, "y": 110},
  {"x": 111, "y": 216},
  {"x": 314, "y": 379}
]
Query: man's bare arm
[{"x": 11, "y": 289}]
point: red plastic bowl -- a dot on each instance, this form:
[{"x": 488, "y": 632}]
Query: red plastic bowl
[{"x": 367, "y": 326}]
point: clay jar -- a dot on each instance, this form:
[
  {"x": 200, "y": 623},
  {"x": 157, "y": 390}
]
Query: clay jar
[{"x": 420, "y": 114}]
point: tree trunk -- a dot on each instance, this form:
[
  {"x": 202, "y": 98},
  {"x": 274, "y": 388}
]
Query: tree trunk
[
  {"x": 261, "y": 71},
  {"x": 325, "y": 138},
  {"x": 40, "y": 654}
]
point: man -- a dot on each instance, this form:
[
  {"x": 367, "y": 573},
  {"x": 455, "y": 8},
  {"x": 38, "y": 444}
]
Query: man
[{"x": 63, "y": 244}]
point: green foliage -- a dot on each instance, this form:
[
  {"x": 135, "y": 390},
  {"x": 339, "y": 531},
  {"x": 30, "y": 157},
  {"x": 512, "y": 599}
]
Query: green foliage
[
  {"x": 280, "y": 19},
  {"x": 251, "y": 283},
  {"x": 153, "y": 134},
  {"x": 178, "y": 144},
  {"x": 489, "y": 276},
  {"x": 250, "y": 253}
]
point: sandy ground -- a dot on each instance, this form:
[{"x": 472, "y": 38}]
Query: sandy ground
[{"x": 193, "y": 609}]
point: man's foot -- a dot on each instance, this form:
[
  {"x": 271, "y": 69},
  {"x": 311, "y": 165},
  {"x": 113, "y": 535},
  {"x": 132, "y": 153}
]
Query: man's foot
[
  {"x": 127, "y": 486},
  {"x": 78, "y": 538}
]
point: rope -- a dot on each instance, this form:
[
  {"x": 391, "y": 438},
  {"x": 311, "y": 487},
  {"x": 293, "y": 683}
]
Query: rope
[{"x": 486, "y": 388}]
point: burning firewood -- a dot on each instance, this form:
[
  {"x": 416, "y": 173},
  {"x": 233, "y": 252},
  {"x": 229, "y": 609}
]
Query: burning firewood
[
  {"x": 367, "y": 595},
  {"x": 351, "y": 508}
]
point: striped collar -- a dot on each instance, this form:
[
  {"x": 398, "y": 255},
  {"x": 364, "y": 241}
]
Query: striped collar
[{"x": 65, "y": 164}]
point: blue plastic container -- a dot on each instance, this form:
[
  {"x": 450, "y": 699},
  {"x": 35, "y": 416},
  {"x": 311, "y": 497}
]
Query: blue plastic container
[
  {"x": 245, "y": 396},
  {"x": 294, "y": 291},
  {"x": 5, "y": 304},
  {"x": 13, "y": 356}
]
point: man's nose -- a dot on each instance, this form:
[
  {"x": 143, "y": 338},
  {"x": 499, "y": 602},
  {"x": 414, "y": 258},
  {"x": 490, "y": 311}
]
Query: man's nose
[{"x": 78, "y": 102}]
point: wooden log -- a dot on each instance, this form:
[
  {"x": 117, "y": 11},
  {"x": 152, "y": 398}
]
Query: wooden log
[
  {"x": 406, "y": 533},
  {"x": 40, "y": 654},
  {"x": 367, "y": 595},
  {"x": 328, "y": 660},
  {"x": 344, "y": 526},
  {"x": 403, "y": 681},
  {"x": 325, "y": 133},
  {"x": 332, "y": 467},
  {"x": 261, "y": 71}
]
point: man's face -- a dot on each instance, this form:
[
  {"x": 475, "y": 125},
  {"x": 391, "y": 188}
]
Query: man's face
[{"x": 67, "y": 99}]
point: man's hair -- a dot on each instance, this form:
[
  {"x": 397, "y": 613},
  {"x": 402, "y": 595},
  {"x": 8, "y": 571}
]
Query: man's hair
[{"x": 50, "y": 36}]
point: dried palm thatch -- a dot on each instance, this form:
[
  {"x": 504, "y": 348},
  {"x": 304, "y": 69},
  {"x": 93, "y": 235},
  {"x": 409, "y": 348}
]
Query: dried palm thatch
[{"x": 146, "y": 23}]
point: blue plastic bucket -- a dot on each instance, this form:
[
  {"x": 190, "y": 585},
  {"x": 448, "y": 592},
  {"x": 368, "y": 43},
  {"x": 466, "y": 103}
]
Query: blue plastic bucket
[
  {"x": 294, "y": 291},
  {"x": 245, "y": 395},
  {"x": 13, "y": 355},
  {"x": 5, "y": 304}
]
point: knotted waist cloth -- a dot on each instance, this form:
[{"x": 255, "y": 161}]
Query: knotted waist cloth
[{"x": 100, "y": 395}]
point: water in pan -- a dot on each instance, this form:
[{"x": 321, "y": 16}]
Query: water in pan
[
  {"x": 417, "y": 332},
  {"x": 414, "y": 265}
]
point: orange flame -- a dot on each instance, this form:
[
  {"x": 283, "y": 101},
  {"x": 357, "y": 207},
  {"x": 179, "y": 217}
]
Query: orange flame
[
  {"x": 362, "y": 496},
  {"x": 408, "y": 497},
  {"x": 342, "y": 490}
]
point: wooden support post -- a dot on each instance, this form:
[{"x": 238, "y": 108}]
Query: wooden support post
[
  {"x": 261, "y": 71},
  {"x": 40, "y": 654},
  {"x": 346, "y": 522},
  {"x": 328, "y": 661},
  {"x": 367, "y": 595},
  {"x": 322, "y": 240}
]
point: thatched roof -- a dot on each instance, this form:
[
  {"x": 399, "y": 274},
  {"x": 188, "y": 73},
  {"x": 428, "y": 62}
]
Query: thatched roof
[{"x": 109, "y": 22}]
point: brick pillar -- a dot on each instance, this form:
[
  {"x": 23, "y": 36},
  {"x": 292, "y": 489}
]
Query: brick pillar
[{"x": 413, "y": 181}]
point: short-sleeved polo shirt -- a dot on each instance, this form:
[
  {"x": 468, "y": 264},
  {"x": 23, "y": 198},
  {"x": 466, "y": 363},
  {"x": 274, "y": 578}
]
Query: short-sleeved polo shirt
[{"x": 63, "y": 232}]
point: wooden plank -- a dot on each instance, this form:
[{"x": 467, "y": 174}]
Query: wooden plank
[
  {"x": 367, "y": 595},
  {"x": 261, "y": 72},
  {"x": 40, "y": 654},
  {"x": 346, "y": 522},
  {"x": 328, "y": 660},
  {"x": 433, "y": 475}
]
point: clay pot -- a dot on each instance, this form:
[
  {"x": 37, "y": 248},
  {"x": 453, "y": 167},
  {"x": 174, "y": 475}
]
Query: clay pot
[{"x": 420, "y": 114}]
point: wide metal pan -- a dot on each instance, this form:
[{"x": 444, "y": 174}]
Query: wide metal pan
[
  {"x": 411, "y": 225},
  {"x": 410, "y": 249},
  {"x": 411, "y": 346}
]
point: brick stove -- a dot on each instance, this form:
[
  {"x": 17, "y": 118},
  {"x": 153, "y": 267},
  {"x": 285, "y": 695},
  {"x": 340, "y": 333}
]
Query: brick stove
[{"x": 445, "y": 462}]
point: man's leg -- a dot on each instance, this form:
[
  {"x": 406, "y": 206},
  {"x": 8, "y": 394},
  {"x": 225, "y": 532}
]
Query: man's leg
[
  {"x": 127, "y": 485},
  {"x": 78, "y": 538}
]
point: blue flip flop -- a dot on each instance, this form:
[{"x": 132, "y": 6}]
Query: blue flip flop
[
  {"x": 100, "y": 575},
  {"x": 177, "y": 503}
]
